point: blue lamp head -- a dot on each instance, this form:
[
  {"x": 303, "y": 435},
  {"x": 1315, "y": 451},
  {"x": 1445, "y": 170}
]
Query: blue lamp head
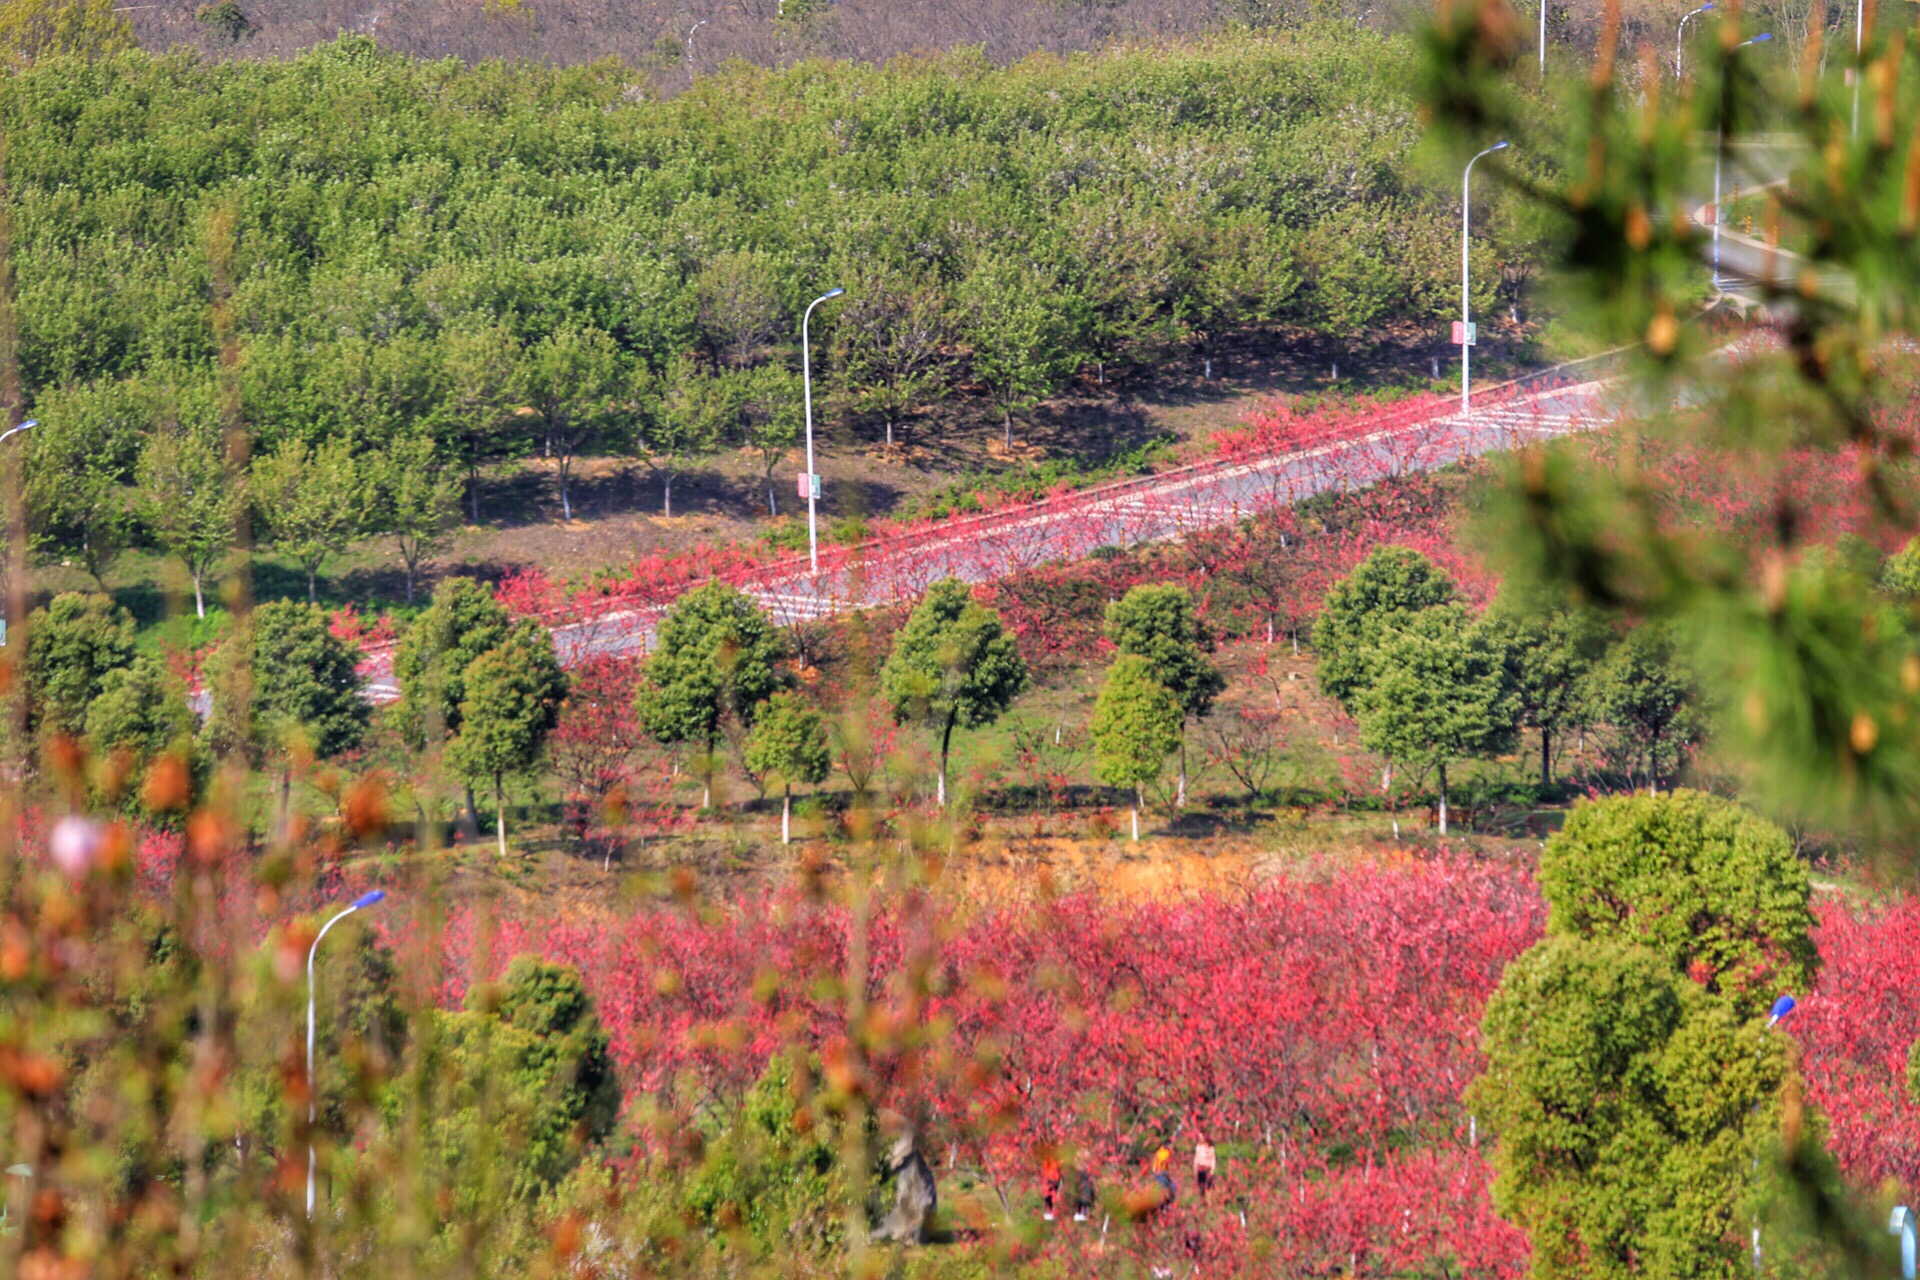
[
  {"x": 369, "y": 898},
  {"x": 834, "y": 292},
  {"x": 1781, "y": 1008},
  {"x": 1705, "y": 8},
  {"x": 1501, "y": 145},
  {"x": 1762, "y": 38}
]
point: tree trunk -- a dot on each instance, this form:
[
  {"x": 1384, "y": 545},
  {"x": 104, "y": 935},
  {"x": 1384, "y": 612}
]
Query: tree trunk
[
  {"x": 286, "y": 799},
  {"x": 500, "y": 813},
  {"x": 473, "y": 491},
  {"x": 1443, "y": 798},
  {"x": 1546, "y": 757},
  {"x": 566, "y": 499},
  {"x": 473, "y": 813},
  {"x": 1209, "y": 367},
  {"x": 1008, "y": 427},
  {"x": 410, "y": 576},
  {"x": 1136, "y": 815},
  {"x": 199, "y": 596},
  {"x": 1180, "y": 783},
  {"x": 313, "y": 587},
  {"x": 666, "y": 497},
  {"x": 773, "y": 507},
  {"x": 946, "y": 740},
  {"x": 786, "y": 817}
]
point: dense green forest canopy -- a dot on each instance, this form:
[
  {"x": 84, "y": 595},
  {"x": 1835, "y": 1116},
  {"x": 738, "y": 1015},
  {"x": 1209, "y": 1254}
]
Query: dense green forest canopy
[{"x": 511, "y": 257}]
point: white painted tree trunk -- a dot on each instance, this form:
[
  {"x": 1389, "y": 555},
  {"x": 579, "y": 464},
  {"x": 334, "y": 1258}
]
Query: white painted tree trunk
[{"x": 786, "y": 818}]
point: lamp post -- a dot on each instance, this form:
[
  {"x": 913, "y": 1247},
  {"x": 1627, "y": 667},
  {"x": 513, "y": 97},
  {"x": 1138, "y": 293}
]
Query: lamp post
[
  {"x": 1719, "y": 152},
  {"x": 1900, "y": 1223},
  {"x": 806, "y": 379},
  {"x": 1781, "y": 1008},
  {"x": 313, "y": 1094},
  {"x": 5, "y": 436},
  {"x": 1680, "y": 41},
  {"x": 690, "y": 30},
  {"x": 1859, "y": 20},
  {"x": 1466, "y": 333}
]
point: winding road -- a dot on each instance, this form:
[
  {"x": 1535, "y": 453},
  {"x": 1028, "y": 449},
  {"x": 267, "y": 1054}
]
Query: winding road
[{"x": 1158, "y": 507}]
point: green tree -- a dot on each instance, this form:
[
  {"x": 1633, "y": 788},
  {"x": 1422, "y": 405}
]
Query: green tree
[
  {"x": 1136, "y": 726},
  {"x": 891, "y": 341},
  {"x": 774, "y": 412},
  {"x": 1157, "y": 622},
  {"x": 284, "y": 690},
  {"x": 1547, "y": 656},
  {"x": 953, "y": 666},
  {"x": 141, "y": 711},
  {"x": 716, "y": 659},
  {"x": 775, "y": 1171},
  {"x": 1380, "y": 593},
  {"x": 311, "y": 503},
  {"x": 1645, "y": 689},
  {"x": 693, "y": 415},
  {"x": 789, "y": 743},
  {"x": 1023, "y": 330},
  {"x": 1435, "y": 694},
  {"x": 72, "y": 645},
  {"x": 52, "y": 28},
  {"x": 431, "y": 660},
  {"x": 523, "y": 1086},
  {"x": 1243, "y": 275},
  {"x": 1632, "y": 1085},
  {"x": 739, "y": 304},
  {"x": 512, "y": 701},
  {"x": 79, "y": 460},
  {"x": 416, "y": 500},
  {"x": 430, "y": 665},
  {"x": 189, "y": 502},
  {"x": 1900, "y": 575},
  {"x": 578, "y": 386},
  {"x": 1716, "y": 892},
  {"x": 479, "y": 366}
]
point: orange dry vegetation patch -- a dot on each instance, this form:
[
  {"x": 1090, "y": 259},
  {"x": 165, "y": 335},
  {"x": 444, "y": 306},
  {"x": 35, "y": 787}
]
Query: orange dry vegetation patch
[{"x": 1038, "y": 866}]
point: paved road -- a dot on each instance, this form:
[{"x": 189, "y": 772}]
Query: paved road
[
  {"x": 1172, "y": 504},
  {"x": 1126, "y": 513}
]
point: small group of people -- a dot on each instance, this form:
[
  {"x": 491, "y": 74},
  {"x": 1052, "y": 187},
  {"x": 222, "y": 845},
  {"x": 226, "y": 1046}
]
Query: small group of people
[{"x": 1159, "y": 1192}]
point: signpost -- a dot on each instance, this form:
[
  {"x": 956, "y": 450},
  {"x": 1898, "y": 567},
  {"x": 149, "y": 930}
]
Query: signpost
[
  {"x": 809, "y": 485},
  {"x": 1464, "y": 333}
]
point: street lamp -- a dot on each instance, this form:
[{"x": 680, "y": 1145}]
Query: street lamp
[
  {"x": 1680, "y": 41},
  {"x": 806, "y": 378},
  {"x": 1783, "y": 1006},
  {"x": 1543, "y": 41},
  {"x": 1859, "y": 20},
  {"x": 1719, "y": 150},
  {"x": 5, "y": 436},
  {"x": 690, "y": 30},
  {"x": 313, "y": 1094},
  {"x": 1900, "y": 1223},
  {"x": 1466, "y": 330}
]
